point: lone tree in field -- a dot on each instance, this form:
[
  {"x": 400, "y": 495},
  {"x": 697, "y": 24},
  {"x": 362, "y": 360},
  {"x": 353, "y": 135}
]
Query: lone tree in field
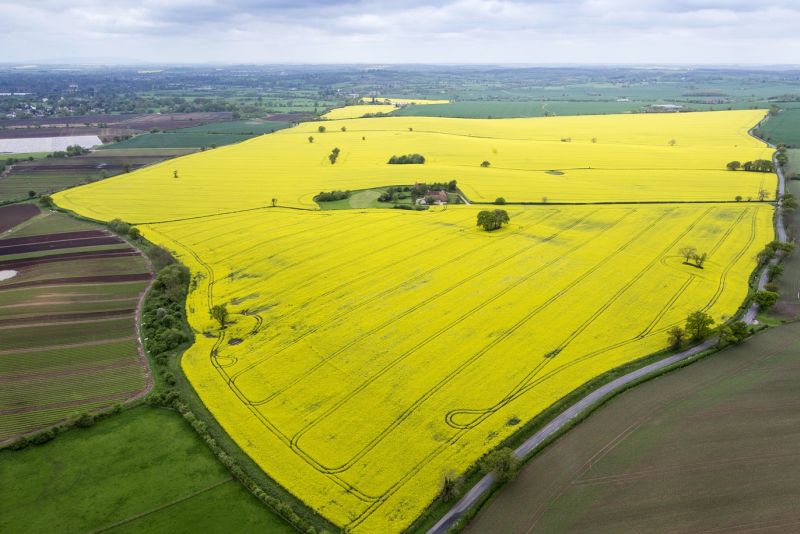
[
  {"x": 334, "y": 155},
  {"x": 675, "y": 337},
  {"x": 321, "y": 129},
  {"x": 500, "y": 201},
  {"x": 310, "y": 138},
  {"x": 734, "y": 165},
  {"x": 492, "y": 220},
  {"x": 672, "y": 142},
  {"x": 687, "y": 253},
  {"x": 502, "y": 463},
  {"x": 220, "y": 314},
  {"x": 274, "y": 202},
  {"x": 698, "y": 325},
  {"x": 485, "y": 163}
]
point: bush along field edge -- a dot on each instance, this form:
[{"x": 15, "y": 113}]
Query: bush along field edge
[
  {"x": 164, "y": 334},
  {"x": 502, "y": 463}
]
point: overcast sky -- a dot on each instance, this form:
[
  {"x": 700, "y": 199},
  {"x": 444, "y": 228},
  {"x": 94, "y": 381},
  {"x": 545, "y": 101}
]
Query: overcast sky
[{"x": 404, "y": 31}]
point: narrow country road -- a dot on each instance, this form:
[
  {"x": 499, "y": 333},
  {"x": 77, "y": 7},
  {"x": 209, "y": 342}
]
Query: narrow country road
[{"x": 592, "y": 399}]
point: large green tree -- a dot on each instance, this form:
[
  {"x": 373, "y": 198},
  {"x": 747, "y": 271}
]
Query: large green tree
[
  {"x": 698, "y": 325},
  {"x": 492, "y": 219}
]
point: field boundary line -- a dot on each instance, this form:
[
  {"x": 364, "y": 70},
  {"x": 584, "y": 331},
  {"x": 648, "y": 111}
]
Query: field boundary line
[{"x": 162, "y": 507}]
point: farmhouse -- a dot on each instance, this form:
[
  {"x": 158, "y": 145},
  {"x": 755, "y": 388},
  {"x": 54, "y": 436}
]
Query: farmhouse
[{"x": 438, "y": 197}]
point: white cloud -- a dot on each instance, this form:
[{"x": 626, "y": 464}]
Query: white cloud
[{"x": 472, "y": 31}]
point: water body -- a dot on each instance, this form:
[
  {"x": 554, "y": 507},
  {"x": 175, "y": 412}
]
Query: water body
[{"x": 47, "y": 144}]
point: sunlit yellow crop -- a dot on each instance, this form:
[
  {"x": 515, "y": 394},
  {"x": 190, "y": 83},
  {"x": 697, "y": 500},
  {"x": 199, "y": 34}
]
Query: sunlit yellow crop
[
  {"x": 607, "y": 158},
  {"x": 405, "y": 101},
  {"x": 354, "y": 112},
  {"x": 372, "y": 352}
]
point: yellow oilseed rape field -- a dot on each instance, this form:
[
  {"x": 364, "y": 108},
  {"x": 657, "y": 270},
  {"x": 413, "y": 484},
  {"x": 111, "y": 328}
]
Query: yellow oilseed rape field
[
  {"x": 631, "y": 161},
  {"x": 386, "y": 106},
  {"x": 373, "y": 351},
  {"x": 354, "y": 112}
]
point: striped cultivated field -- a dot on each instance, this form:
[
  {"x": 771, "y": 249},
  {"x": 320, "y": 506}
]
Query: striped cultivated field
[
  {"x": 67, "y": 322},
  {"x": 372, "y": 352}
]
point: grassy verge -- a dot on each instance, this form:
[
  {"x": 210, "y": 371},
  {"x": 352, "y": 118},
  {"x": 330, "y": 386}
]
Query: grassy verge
[
  {"x": 363, "y": 198},
  {"x": 142, "y": 470}
]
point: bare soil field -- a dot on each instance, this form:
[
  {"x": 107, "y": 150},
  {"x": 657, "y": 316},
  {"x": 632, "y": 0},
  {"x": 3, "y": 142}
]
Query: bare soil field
[
  {"x": 11, "y": 216},
  {"x": 66, "y": 122},
  {"x": 712, "y": 447},
  {"x": 67, "y": 320}
]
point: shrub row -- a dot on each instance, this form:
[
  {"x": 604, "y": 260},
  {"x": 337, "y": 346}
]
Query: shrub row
[
  {"x": 407, "y": 159},
  {"x": 330, "y": 196}
]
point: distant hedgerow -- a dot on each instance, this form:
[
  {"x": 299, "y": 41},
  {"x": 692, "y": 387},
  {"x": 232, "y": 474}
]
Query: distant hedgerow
[{"x": 407, "y": 159}]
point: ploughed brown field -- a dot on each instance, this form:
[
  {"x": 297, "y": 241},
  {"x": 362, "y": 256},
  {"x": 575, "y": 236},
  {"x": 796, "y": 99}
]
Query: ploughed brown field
[{"x": 67, "y": 319}]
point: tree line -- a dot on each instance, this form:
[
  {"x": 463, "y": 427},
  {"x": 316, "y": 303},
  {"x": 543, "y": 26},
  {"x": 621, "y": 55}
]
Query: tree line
[
  {"x": 759, "y": 165},
  {"x": 407, "y": 159}
]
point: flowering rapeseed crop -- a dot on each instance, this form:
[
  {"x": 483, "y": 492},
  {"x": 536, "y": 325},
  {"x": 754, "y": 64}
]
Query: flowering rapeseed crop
[
  {"x": 374, "y": 351},
  {"x": 354, "y": 112}
]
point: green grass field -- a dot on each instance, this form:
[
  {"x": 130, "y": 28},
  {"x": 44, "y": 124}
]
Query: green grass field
[
  {"x": 17, "y": 186},
  {"x": 244, "y": 127},
  {"x": 49, "y": 222},
  {"x": 144, "y": 470},
  {"x": 540, "y": 108},
  {"x": 366, "y": 198},
  {"x": 206, "y": 135},
  {"x": 24, "y": 155},
  {"x": 783, "y": 128},
  {"x": 500, "y": 109},
  {"x": 711, "y": 447}
]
